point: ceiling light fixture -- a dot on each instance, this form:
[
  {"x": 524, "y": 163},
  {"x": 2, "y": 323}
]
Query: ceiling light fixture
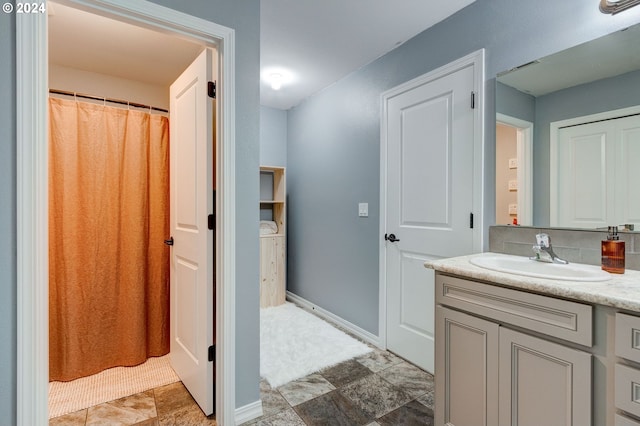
[
  {"x": 615, "y": 6},
  {"x": 276, "y": 77},
  {"x": 276, "y": 81}
]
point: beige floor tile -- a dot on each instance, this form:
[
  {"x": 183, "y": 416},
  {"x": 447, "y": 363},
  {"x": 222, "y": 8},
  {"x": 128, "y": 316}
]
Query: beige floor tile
[
  {"x": 125, "y": 411},
  {"x": 73, "y": 419}
]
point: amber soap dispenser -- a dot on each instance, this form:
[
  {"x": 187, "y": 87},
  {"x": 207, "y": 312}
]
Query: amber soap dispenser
[{"x": 613, "y": 252}]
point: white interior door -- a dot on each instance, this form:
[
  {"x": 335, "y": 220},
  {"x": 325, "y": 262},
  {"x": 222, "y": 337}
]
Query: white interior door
[
  {"x": 627, "y": 172},
  {"x": 596, "y": 174},
  {"x": 429, "y": 200},
  {"x": 192, "y": 251},
  {"x": 583, "y": 187}
]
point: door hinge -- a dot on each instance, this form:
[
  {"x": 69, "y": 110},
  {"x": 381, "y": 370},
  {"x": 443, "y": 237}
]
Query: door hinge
[
  {"x": 473, "y": 103},
  {"x": 211, "y": 221},
  {"x": 212, "y": 89},
  {"x": 212, "y": 353},
  {"x": 471, "y": 220}
]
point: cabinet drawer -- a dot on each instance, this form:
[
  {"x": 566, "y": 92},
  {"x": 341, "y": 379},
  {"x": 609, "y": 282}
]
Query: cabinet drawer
[
  {"x": 625, "y": 421},
  {"x": 628, "y": 389},
  {"x": 563, "y": 319},
  {"x": 628, "y": 337}
]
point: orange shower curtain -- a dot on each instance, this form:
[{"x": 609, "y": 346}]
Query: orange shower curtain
[{"x": 108, "y": 218}]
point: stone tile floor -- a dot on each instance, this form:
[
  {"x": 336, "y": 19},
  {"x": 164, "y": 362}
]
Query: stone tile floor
[
  {"x": 167, "y": 405},
  {"x": 375, "y": 389}
]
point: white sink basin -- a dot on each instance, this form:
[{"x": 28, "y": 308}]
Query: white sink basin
[{"x": 531, "y": 268}]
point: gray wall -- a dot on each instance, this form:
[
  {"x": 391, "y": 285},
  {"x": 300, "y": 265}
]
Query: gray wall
[
  {"x": 333, "y": 140},
  {"x": 514, "y": 103},
  {"x": 7, "y": 219},
  {"x": 244, "y": 17},
  {"x": 273, "y": 137}
]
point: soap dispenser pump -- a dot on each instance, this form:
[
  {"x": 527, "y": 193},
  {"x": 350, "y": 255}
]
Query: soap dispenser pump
[{"x": 613, "y": 252}]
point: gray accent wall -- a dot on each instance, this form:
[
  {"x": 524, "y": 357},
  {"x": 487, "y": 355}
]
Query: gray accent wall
[
  {"x": 334, "y": 140},
  {"x": 8, "y": 218},
  {"x": 244, "y": 17},
  {"x": 514, "y": 103},
  {"x": 273, "y": 137}
]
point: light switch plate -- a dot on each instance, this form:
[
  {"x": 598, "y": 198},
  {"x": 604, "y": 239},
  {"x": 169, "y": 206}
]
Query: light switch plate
[
  {"x": 363, "y": 209},
  {"x": 513, "y": 209},
  {"x": 513, "y": 185},
  {"x": 513, "y": 163}
]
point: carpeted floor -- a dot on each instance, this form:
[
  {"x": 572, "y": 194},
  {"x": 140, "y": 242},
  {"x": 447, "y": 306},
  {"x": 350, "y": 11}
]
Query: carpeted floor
[
  {"x": 295, "y": 343},
  {"x": 108, "y": 385}
]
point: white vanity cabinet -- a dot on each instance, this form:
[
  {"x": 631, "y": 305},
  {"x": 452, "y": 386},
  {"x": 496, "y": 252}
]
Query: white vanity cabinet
[
  {"x": 627, "y": 369},
  {"x": 501, "y": 360},
  {"x": 466, "y": 376},
  {"x": 542, "y": 383}
]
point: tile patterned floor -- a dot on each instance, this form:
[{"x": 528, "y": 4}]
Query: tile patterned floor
[
  {"x": 166, "y": 405},
  {"x": 377, "y": 389}
]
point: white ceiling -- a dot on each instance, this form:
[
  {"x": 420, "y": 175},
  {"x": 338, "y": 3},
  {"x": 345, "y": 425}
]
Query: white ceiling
[
  {"x": 319, "y": 42},
  {"x": 315, "y": 43}
]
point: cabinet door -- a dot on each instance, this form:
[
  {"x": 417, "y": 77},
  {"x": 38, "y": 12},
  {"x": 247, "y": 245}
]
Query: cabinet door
[
  {"x": 272, "y": 271},
  {"x": 466, "y": 370},
  {"x": 542, "y": 383}
]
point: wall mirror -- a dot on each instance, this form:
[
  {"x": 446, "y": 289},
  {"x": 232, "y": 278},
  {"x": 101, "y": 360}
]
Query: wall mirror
[{"x": 568, "y": 137}]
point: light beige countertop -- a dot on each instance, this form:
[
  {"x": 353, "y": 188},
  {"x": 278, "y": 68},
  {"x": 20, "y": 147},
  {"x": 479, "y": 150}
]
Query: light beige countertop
[{"x": 621, "y": 291}]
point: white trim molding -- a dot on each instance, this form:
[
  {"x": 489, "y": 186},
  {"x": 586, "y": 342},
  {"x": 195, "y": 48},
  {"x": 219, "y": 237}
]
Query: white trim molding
[
  {"x": 477, "y": 60},
  {"x": 32, "y": 197},
  {"x": 335, "y": 319},
  {"x": 32, "y": 219},
  {"x": 248, "y": 412}
]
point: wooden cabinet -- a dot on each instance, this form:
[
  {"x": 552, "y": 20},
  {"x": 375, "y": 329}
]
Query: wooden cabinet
[
  {"x": 488, "y": 373},
  {"x": 272, "y": 242},
  {"x": 272, "y": 271}
]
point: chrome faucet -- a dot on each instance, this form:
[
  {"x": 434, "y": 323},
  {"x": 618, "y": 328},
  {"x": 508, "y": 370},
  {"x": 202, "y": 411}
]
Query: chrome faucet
[{"x": 544, "y": 252}]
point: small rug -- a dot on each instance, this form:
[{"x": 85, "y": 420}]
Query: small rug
[
  {"x": 295, "y": 343},
  {"x": 109, "y": 385}
]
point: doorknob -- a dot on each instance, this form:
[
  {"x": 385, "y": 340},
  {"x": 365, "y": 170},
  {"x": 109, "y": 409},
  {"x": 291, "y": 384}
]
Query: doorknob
[
  {"x": 391, "y": 237},
  {"x": 169, "y": 242}
]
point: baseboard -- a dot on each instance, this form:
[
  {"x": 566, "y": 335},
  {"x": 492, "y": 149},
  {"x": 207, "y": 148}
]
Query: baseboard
[
  {"x": 335, "y": 319},
  {"x": 248, "y": 412}
]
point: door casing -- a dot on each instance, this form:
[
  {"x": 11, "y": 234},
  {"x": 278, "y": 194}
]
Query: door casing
[
  {"x": 477, "y": 59},
  {"x": 32, "y": 197}
]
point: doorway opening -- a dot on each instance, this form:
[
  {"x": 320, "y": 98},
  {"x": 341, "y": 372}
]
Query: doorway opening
[
  {"x": 32, "y": 171},
  {"x": 514, "y": 168}
]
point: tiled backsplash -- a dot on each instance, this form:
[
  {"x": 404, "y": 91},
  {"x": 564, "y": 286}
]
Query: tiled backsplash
[{"x": 580, "y": 246}]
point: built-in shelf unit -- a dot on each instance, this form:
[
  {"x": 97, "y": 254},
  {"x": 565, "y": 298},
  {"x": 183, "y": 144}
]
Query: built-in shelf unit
[{"x": 272, "y": 241}]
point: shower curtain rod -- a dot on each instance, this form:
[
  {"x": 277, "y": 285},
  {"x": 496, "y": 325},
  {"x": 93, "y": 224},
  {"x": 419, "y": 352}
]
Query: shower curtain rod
[{"x": 100, "y": 98}]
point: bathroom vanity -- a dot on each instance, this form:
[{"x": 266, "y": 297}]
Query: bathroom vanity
[{"x": 521, "y": 350}]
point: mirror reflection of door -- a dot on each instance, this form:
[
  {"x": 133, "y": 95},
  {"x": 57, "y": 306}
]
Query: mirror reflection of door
[
  {"x": 594, "y": 170},
  {"x": 513, "y": 171}
]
